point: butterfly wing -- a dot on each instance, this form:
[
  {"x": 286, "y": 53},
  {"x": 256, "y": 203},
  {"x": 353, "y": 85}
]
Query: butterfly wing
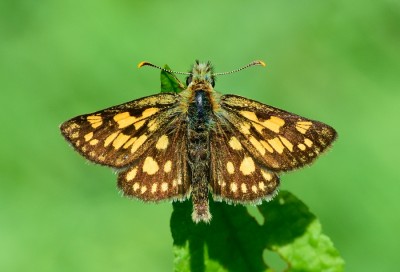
[
  {"x": 235, "y": 176},
  {"x": 119, "y": 135},
  {"x": 276, "y": 139},
  {"x": 162, "y": 172}
]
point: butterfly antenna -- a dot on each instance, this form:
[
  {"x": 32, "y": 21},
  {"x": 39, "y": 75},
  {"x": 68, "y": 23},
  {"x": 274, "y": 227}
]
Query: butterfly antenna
[
  {"x": 145, "y": 63},
  {"x": 253, "y": 63}
]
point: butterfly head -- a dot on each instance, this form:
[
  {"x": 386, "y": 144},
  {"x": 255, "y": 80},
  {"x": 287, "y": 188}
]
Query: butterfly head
[{"x": 201, "y": 73}]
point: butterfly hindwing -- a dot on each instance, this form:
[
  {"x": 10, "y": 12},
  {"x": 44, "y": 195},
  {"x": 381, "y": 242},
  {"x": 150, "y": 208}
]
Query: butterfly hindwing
[
  {"x": 235, "y": 175},
  {"x": 161, "y": 173},
  {"x": 119, "y": 135},
  {"x": 279, "y": 140}
]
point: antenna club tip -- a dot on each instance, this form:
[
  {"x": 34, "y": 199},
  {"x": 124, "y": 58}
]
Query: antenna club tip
[
  {"x": 143, "y": 63},
  {"x": 260, "y": 62}
]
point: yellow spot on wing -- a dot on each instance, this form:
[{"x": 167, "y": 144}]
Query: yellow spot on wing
[
  {"x": 247, "y": 166},
  {"x": 131, "y": 174},
  {"x": 260, "y": 148},
  {"x": 154, "y": 187},
  {"x": 304, "y": 123},
  {"x": 136, "y": 186},
  {"x": 124, "y": 119},
  {"x": 110, "y": 138},
  {"x": 138, "y": 143},
  {"x": 120, "y": 140},
  {"x": 88, "y": 136},
  {"x": 244, "y": 188},
  {"x": 75, "y": 135},
  {"x": 139, "y": 124},
  {"x": 245, "y": 128},
  {"x": 143, "y": 189},
  {"x": 168, "y": 166},
  {"x": 150, "y": 166},
  {"x": 94, "y": 142},
  {"x": 258, "y": 127},
  {"x": 95, "y": 120},
  {"x": 235, "y": 144},
  {"x": 164, "y": 186},
  {"x": 130, "y": 142},
  {"x": 301, "y": 130},
  {"x": 261, "y": 185},
  {"x": 152, "y": 125},
  {"x": 274, "y": 123},
  {"x": 276, "y": 144},
  {"x": 230, "y": 168},
  {"x": 303, "y": 126},
  {"x": 73, "y": 126},
  {"x": 267, "y": 146},
  {"x": 149, "y": 112},
  {"x": 121, "y": 116},
  {"x": 249, "y": 115},
  {"x": 286, "y": 142},
  {"x": 266, "y": 175},
  {"x": 233, "y": 187},
  {"x": 162, "y": 143},
  {"x": 308, "y": 142},
  {"x": 301, "y": 147}
]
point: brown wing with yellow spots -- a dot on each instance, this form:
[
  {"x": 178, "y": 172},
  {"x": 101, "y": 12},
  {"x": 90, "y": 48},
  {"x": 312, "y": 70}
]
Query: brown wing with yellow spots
[
  {"x": 119, "y": 135},
  {"x": 276, "y": 139},
  {"x": 235, "y": 175},
  {"x": 162, "y": 172}
]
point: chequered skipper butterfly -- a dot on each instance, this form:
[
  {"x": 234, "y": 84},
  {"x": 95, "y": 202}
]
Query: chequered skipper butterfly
[{"x": 177, "y": 145}]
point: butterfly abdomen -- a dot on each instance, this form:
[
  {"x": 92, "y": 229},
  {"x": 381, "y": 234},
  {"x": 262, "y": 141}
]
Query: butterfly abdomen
[{"x": 199, "y": 119}]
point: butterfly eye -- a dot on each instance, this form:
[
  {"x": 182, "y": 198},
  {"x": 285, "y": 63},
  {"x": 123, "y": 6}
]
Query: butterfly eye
[
  {"x": 189, "y": 80},
  {"x": 212, "y": 81}
]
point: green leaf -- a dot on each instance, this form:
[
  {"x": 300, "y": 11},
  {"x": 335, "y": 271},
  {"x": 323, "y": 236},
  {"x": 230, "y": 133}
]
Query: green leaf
[
  {"x": 235, "y": 241},
  {"x": 169, "y": 82}
]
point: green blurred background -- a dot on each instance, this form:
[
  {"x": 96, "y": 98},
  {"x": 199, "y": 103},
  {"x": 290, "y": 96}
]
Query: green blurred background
[{"x": 333, "y": 61}]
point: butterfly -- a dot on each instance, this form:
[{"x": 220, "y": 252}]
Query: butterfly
[{"x": 173, "y": 146}]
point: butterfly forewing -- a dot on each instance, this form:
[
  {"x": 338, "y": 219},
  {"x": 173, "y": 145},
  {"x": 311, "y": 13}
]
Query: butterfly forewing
[
  {"x": 235, "y": 175},
  {"x": 277, "y": 139},
  {"x": 161, "y": 173},
  {"x": 119, "y": 135}
]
